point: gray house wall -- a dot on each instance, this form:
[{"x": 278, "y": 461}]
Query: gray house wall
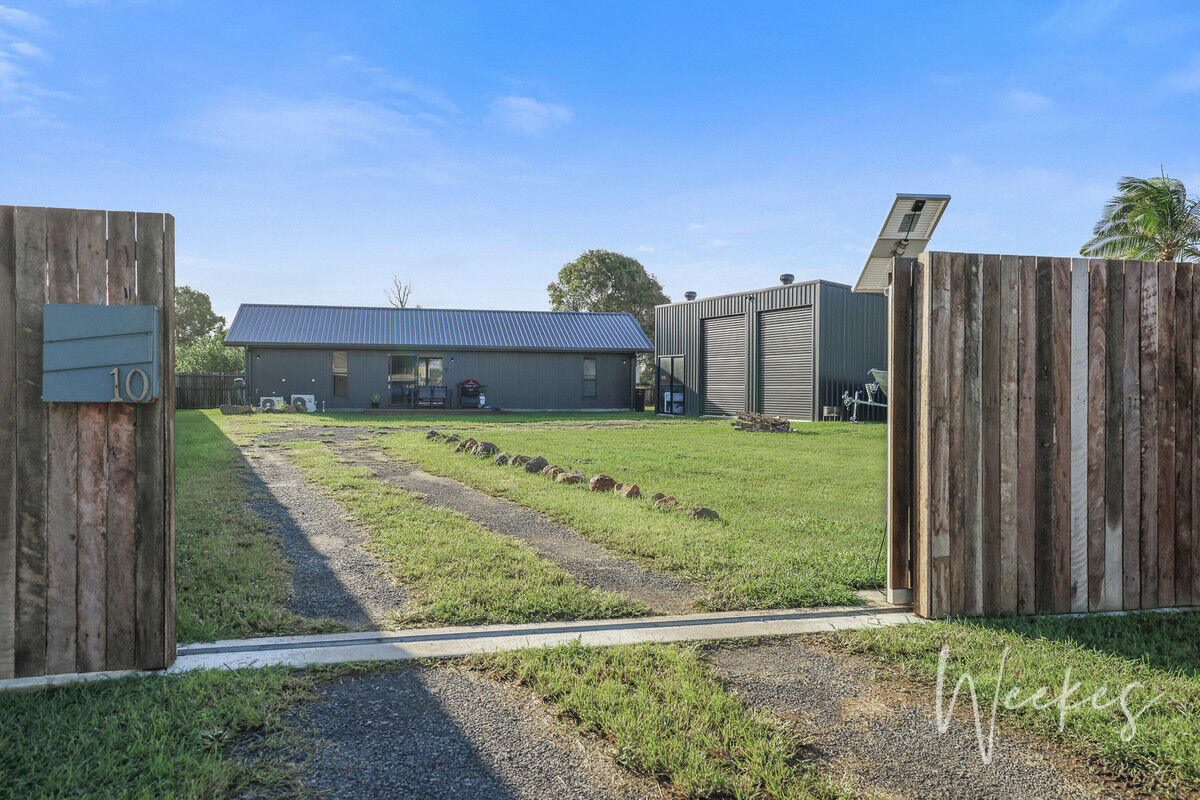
[
  {"x": 850, "y": 337},
  {"x": 516, "y": 380}
]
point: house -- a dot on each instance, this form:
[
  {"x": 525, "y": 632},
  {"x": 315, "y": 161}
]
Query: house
[
  {"x": 787, "y": 350},
  {"x": 524, "y": 360}
]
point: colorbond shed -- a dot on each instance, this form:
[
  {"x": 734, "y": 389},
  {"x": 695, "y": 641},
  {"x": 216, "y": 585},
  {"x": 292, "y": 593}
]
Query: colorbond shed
[
  {"x": 787, "y": 350},
  {"x": 527, "y": 360}
]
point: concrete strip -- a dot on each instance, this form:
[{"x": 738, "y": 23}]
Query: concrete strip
[
  {"x": 460, "y": 641},
  {"x": 464, "y": 640}
]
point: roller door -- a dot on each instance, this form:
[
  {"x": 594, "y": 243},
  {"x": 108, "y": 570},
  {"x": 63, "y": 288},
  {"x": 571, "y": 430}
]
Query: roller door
[
  {"x": 724, "y": 376},
  {"x": 785, "y": 363}
]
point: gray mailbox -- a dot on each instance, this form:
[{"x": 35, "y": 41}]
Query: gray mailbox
[{"x": 100, "y": 354}]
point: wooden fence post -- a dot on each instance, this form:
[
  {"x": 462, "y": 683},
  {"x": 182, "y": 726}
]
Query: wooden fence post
[{"x": 86, "y": 489}]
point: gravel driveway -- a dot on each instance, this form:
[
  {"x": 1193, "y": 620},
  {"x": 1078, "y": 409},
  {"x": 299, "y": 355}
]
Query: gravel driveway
[
  {"x": 332, "y": 576},
  {"x": 441, "y": 732},
  {"x": 589, "y": 563},
  {"x": 880, "y": 740}
]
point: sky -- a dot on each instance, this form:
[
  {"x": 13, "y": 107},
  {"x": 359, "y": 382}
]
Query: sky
[{"x": 311, "y": 150}]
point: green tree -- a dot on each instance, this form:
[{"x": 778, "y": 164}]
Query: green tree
[
  {"x": 209, "y": 354},
  {"x": 600, "y": 280},
  {"x": 194, "y": 316},
  {"x": 1151, "y": 219}
]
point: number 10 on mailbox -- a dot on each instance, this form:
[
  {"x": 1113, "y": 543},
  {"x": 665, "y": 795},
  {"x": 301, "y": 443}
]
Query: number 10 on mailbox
[{"x": 100, "y": 353}]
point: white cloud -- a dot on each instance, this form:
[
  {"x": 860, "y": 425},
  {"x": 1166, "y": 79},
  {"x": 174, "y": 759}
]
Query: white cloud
[
  {"x": 313, "y": 127},
  {"x": 526, "y": 115},
  {"x": 26, "y": 49},
  {"x": 18, "y": 18},
  {"x": 645, "y": 248},
  {"x": 1186, "y": 80},
  {"x": 384, "y": 81},
  {"x": 1025, "y": 100}
]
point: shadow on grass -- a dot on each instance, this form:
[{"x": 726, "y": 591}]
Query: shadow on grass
[{"x": 1168, "y": 641}]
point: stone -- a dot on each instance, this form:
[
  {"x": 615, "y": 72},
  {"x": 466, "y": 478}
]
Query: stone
[
  {"x": 465, "y": 444},
  {"x": 551, "y": 470},
  {"x": 501, "y": 459},
  {"x": 433, "y": 434},
  {"x": 601, "y": 483},
  {"x": 452, "y": 438},
  {"x": 702, "y": 512},
  {"x": 628, "y": 490},
  {"x": 666, "y": 502},
  {"x": 657, "y": 496},
  {"x": 485, "y": 448},
  {"x": 569, "y": 477},
  {"x": 237, "y": 409},
  {"x": 518, "y": 461},
  {"x": 536, "y": 464}
]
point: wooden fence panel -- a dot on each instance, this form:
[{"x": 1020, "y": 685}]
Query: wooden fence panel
[
  {"x": 1026, "y": 434},
  {"x": 1132, "y": 479},
  {"x": 1052, "y": 434},
  {"x": 1150, "y": 403},
  {"x": 989, "y": 427},
  {"x": 30, "y": 493},
  {"x": 900, "y": 476},
  {"x": 207, "y": 389},
  {"x": 80, "y": 502},
  {"x": 1114, "y": 438},
  {"x": 1183, "y": 435},
  {"x": 8, "y": 444},
  {"x": 1079, "y": 582},
  {"x": 1165, "y": 393}
]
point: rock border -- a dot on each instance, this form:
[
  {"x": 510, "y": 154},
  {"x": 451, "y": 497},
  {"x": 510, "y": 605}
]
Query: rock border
[{"x": 539, "y": 465}]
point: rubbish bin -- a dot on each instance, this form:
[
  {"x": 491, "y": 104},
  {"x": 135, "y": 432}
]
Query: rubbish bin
[{"x": 639, "y": 398}]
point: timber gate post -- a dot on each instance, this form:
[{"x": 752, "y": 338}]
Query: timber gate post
[{"x": 87, "y": 441}]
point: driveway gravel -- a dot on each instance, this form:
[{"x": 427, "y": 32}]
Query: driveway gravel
[
  {"x": 441, "y": 732},
  {"x": 332, "y": 576},
  {"x": 881, "y": 740},
  {"x": 589, "y": 563}
]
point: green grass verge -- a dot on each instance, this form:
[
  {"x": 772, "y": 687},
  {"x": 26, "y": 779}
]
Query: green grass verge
[
  {"x": 454, "y": 570},
  {"x": 146, "y": 737},
  {"x": 233, "y": 579},
  {"x": 1159, "y": 651},
  {"x": 667, "y": 718},
  {"x": 802, "y": 514}
]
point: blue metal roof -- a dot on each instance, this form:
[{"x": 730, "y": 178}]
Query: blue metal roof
[{"x": 328, "y": 326}]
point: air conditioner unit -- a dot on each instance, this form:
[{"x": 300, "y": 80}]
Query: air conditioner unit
[
  {"x": 309, "y": 401},
  {"x": 270, "y": 402}
]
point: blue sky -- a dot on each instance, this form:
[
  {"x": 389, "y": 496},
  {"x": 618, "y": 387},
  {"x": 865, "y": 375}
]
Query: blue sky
[{"x": 310, "y": 149}]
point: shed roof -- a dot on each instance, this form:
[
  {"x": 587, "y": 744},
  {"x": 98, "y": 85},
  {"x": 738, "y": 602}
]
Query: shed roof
[{"x": 349, "y": 326}]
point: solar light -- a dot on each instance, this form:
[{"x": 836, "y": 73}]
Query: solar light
[{"x": 906, "y": 231}]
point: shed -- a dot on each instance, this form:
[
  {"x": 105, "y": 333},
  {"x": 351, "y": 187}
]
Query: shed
[
  {"x": 525, "y": 360},
  {"x": 786, "y": 350}
]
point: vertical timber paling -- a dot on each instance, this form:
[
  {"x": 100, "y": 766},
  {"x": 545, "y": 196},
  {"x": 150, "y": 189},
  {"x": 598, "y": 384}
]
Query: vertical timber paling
[
  {"x": 1052, "y": 435},
  {"x": 900, "y": 479},
  {"x": 87, "y": 509},
  {"x": 8, "y": 444}
]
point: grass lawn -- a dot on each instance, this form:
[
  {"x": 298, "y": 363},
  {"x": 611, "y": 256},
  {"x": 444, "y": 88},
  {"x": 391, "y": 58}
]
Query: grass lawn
[
  {"x": 232, "y": 577},
  {"x": 455, "y": 571},
  {"x": 148, "y": 737},
  {"x": 667, "y": 718},
  {"x": 1161, "y": 652},
  {"x": 802, "y": 514}
]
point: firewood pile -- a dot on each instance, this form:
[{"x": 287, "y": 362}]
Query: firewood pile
[{"x": 761, "y": 422}]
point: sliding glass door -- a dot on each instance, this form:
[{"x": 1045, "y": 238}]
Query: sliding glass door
[{"x": 406, "y": 371}]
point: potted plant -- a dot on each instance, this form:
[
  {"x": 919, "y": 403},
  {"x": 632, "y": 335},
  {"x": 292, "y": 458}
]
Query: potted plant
[{"x": 374, "y": 401}]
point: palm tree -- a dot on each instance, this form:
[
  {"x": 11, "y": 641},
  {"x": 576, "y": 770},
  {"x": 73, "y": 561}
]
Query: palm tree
[{"x": 1152, "y": 219}]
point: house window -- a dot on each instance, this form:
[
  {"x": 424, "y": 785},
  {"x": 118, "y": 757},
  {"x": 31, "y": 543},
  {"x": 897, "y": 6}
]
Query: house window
[
  {"x": 341, "y": 382},
  {"x": 589, "y": 377}
]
